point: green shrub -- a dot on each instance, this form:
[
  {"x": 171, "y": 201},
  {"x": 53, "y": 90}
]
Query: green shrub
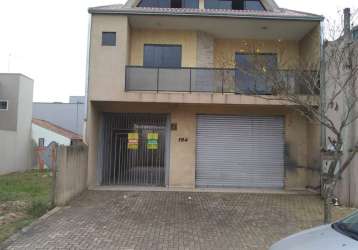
[{"x": 38, "y": 208}]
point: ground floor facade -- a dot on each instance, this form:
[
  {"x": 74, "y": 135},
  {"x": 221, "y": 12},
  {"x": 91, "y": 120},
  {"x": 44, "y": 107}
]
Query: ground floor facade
[{"x": 190, "y": 146}]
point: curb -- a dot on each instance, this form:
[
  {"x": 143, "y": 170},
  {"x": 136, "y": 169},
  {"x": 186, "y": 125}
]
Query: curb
[{"x": 16, "y": 235}]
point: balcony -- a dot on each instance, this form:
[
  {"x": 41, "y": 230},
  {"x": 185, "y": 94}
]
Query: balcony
[{"x": 211, "y": 80}]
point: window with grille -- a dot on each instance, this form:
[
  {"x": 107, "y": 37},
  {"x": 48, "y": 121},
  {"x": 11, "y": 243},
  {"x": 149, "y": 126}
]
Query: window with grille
[{"x": 4, "y": 105}]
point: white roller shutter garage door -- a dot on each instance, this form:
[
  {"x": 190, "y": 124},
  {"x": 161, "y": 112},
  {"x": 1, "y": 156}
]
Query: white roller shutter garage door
[{"x": 240, "y": 151}]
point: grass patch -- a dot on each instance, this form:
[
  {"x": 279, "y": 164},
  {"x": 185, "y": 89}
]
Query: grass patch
[
  {"x": 23, "y": 197},
  {"x": 8, "y": 229},
  {"x": 28, "y": 185}
]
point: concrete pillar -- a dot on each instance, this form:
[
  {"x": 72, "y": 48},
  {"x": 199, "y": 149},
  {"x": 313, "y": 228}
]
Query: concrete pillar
[{"x": 347, "y": 22}]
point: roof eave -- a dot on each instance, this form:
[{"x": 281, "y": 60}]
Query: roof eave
[{"x": 228, "y": 15}]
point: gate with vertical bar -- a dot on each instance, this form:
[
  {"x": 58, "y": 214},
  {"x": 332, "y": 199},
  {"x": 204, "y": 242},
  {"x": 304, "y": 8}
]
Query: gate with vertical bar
[{"x": 133, "y": 149}]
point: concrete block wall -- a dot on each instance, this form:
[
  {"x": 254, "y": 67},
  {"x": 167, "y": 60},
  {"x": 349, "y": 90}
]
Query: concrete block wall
[{"x": 71, "y": 173}]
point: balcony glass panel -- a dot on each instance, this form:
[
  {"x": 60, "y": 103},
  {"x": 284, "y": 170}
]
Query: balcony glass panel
[
  {"x": 174, "y": 80},
  {"x": 206, "y": 80},
  {"x": 141, "y": 79},
  {"x": 210, "y": 80}
]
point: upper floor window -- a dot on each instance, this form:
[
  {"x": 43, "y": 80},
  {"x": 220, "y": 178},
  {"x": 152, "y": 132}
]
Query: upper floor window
[
  {"x": 162, "y": 56},
  {"x": 4, "y": 105},
  {"x": 109, "y": 39},
  {"x": 170, "y": 3},
  {"x": 249, "y": 66},
  {"x": 234, "y": 4}
]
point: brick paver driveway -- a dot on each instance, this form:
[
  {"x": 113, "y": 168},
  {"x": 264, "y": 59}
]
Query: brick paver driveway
[{"x": 173, "y": 220}]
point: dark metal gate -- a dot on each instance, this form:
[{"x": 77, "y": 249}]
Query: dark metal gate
[{"x": 134, "y": 149}]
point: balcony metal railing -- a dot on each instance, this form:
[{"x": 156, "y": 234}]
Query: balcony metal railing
[{"x": 212, "y": 80}]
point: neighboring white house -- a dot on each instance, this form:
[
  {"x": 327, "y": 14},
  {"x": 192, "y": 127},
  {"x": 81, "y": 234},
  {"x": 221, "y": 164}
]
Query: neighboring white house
[
  {"x": 16, "y": 91},
  {"x": 44, "y": 133},
  {"x": 69, "y": 115}
]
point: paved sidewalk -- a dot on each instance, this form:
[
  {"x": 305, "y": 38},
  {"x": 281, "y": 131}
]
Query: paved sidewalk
[{"x": 173, "y": 220}]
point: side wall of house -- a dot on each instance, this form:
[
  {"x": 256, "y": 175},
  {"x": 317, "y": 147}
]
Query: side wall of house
[
  {"x": 347, "y": 189},
  {"x": 15, "y": 142},
  {"x": 107, "y": 63}
]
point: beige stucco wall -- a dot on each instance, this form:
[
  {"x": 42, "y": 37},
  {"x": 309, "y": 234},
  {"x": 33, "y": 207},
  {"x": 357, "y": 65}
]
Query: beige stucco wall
[
  {"x": 71, "y": 173},
  {"x": 107, "y": 63},
  {"x": 92, "y": 139},
  {"x": 183, "y": 154},
  {"x": 187, "y": 39},
  {"x": 310, "y": 49},
  {"x": 287, "y": 51}
]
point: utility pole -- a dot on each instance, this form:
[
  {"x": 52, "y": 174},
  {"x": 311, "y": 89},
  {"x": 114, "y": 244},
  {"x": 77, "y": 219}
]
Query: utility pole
[{"x": 8, "y": 63}]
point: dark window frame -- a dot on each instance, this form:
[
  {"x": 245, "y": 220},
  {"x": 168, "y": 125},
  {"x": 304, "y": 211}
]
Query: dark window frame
[
  {"x": 263, "y": 7},
  {"x": 6, "y": 105},
  {"x": 254, "y": 78},
  {"x": 109, "y": 43},
  {"x": 164, "y": 45},
  {"x": 171, "y": 3},
  {"x": 242, "y": 4}
]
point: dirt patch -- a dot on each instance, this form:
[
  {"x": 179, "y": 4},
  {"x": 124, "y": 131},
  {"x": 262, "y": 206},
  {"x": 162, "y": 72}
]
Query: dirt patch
[
  {"x": 23, "y": 197},
  {"x": 12, "y": 211}
]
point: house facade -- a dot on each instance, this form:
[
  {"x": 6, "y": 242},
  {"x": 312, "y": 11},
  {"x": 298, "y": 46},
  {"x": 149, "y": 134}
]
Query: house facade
[
  {"x": 167, "y": 104},
  {"x": 16, "y": 91}
]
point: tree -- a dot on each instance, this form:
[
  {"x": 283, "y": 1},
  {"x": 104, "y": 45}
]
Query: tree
[
  {"x": 339, "y": 112},
  {"x": 324, "y": 92}
]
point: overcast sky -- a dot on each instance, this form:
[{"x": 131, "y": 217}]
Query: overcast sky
[{"x": 47, "y": 40}]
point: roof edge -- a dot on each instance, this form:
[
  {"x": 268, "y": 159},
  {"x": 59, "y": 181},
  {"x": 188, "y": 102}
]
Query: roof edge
[
  {"x": 129, "y": 11},
  {"x": 56, "y": 129}
]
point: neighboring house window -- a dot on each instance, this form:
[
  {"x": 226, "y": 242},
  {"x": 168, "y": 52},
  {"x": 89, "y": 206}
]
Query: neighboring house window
[
  {"x": 355, "y": 33},
  {"x": 234, "y": 4},
  {"x": 109, "y": 39},
  {"x": 248, "y": 79},
  {"x": 253, "y": 5},
  {"x": 41, "y": 142},
  {"x": 4, "y": 105},
  {"x": 170, "y": 3},
  {"x": 162, "y": 56}
]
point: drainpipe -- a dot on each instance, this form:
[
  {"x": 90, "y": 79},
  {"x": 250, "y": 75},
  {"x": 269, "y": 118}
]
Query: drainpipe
[
  {"x": 323, "y": 84},
  {"x": 322, "y": 93},
  {"x": 350, "y": 131}
]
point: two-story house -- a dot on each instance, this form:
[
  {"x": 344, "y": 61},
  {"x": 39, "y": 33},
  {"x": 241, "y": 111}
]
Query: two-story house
[
  {"x": 169, "y": 106},
  {"x": 16, "y": 91}
]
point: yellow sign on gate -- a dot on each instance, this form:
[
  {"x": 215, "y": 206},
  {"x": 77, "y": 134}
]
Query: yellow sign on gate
[
  {"x": 133, "y": 139},
  {"x": 152, "y": 141}
]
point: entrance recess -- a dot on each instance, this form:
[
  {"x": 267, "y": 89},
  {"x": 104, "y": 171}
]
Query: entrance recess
[{"x": 133, "y": 149}]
